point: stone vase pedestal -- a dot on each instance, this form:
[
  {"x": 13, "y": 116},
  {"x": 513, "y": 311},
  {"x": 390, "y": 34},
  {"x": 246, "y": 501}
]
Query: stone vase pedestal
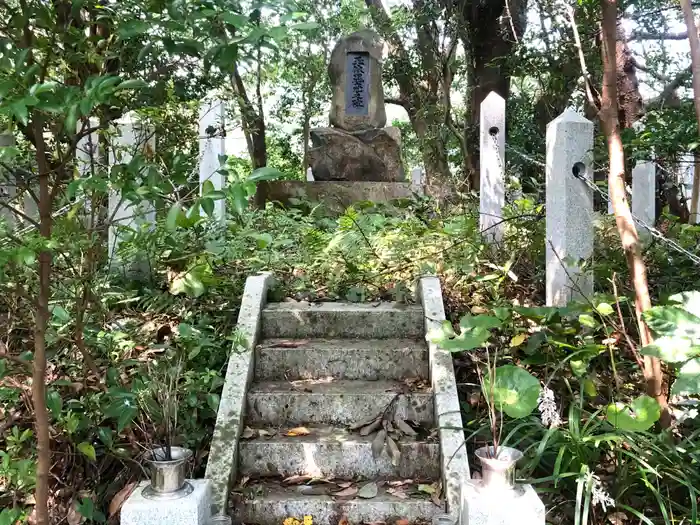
[
  {"x": 480, "y": 505},
  {"x": 192, "y": 509}
]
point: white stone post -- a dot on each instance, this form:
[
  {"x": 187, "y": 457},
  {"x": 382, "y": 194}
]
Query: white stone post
[
  {"x": 8, "y": 186},
  {"x": 310, "y": 175},
  {"x": 418, "y": 181},
  {"x": 212, "y": 146},
  {"x": 569, "y": 208},
  {"x": 132, "y": 138},
  {"x": 644, "y": 195},
  {"x": 492, "y": 155}
]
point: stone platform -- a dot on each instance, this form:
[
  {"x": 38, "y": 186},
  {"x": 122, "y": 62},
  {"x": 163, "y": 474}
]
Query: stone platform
[{"x": 336, "y": 195}]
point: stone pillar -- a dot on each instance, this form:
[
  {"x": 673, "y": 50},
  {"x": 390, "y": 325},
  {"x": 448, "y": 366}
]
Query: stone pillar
[
  {"x": 418, "y": 181},
  {"x": 8, "y": 186},
  {"x": 132, "y": 138},
  {"x": 569, "y": 207},
  {"x": 212, "y": 146},
  {"x": 644, "y": 195},
  {"x": 492, "y": 155},
  {"x": 192, "y": 509},
  {"x": 309, "y": 175}
]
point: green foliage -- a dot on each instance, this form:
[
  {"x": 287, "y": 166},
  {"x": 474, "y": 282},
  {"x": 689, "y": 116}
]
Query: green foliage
[
  {"x": 637, "y": 416},
  {"x": 514, "y": 390}
]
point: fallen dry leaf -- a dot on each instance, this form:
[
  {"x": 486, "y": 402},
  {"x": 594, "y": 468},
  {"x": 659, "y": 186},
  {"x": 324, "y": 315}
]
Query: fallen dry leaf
[
  {"x": 346, "y": 493},
  {"x": 344, "y": 520},
  {"x": 291, "y": 343},
  {"x": 399, "y": 493},
  {"x": 372, "y": 427},
  {"x": 399, "y": 482},
  {"x": 344, "y": 484},
  {"x": 298, "y": 431},
  {"x": 368, "y": 491},
  {"x": 378, "y": 444},
  {"x": 244, "y": 481},
  {"x": 74, "y": 517},
  {"x": 404, "y": 427},
  {"x": 428, "y": 489},
  {"x": 296, "y": 479},
  {"x": 617, "y": 518},
  {"x": 402, "y": 521},
  {"x": 248, "y": 433},
  {"x": 120, "y": 497}
]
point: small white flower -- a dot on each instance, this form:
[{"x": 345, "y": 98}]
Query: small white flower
[
  {"x": 549, "y": 415},
  {"x": 600, "y": 496}
]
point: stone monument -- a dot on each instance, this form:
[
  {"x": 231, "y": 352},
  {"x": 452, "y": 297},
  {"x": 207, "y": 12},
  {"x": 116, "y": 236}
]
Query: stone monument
[{"x": 357, "y": 146}]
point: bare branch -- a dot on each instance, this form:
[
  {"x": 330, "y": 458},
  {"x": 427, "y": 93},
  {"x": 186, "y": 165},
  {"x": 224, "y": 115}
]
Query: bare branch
[{"x": 641, "y": 35}]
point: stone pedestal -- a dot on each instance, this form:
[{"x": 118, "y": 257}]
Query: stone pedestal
[
  {"x": 520, "y": 506},
  {"x": 371, "y": 155},
  {"x": 193, "y": 509}
]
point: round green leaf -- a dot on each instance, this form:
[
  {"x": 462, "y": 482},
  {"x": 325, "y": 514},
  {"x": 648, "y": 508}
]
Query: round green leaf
[
  {"x": 637, "y": 416},
  {"x": 88, "y": 450},
  {"x": 672, "y": 349},
  {"x": 688, "y": 380},
  {"x": 515, "y": 391}
]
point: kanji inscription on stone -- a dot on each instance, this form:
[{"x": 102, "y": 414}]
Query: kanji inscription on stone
[{"x": 357, "y": 88}]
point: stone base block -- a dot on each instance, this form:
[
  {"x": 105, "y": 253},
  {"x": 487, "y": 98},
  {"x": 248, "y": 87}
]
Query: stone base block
[
  {"x": 367, "y": 155},
  {"x": 193, "y": 509},
  {"x": 521, "y": 506},
  {"x": 335, "y": 195}
]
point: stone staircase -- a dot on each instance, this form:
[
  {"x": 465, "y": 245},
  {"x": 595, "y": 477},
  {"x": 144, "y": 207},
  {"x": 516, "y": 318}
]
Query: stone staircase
[{"x": 329, "y": 368}]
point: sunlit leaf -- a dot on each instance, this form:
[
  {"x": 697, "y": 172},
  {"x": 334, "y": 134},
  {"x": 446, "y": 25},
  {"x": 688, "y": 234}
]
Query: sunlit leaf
[
  {"x": 515, "y": 391},
  {"x": 87, "y": 450},
  {"x": 688, "y": 380},
  {"x": 638, "y": 416}
]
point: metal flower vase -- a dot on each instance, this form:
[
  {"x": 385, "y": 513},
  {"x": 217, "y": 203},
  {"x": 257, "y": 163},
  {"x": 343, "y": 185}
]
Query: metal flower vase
[
  {"x": 168, "y": 473},
  {"x": 498, "y": 467}
]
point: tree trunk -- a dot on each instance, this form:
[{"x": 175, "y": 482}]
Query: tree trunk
[
  {"x": 42, "y": 320},
  {"x": 623, "y": 216},
  {"x": 630, "y": 103},
  {"x": 694, "y": 40}
]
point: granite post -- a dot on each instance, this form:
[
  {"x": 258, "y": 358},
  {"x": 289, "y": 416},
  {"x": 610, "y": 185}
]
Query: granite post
[
  {"x": 569, "y": 208},
  {"x": 212, "y": 149},
  {"x": 492, "y": 160},
  {"x": 132, "y": 138},
  {"x": 644, "y": 196}
]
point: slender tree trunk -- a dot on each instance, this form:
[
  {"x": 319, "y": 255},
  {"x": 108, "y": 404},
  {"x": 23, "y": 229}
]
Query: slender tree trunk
[
  {"x": 623, "y": 216},
  {"x": 694, "y": 40},
  {"x": 41, "y": 323}
]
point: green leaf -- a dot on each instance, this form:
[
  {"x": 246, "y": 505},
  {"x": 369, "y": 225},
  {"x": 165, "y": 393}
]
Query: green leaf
[
  {"x": 637, "y": 416},
  {"x": 673, "y": 321},
  {"x": 234, "y": 19},
  {"x": 265, "y": 173},
  {"x": 239, "y": 198},
  {"x": 689, "y": 300},
  {"x": 207, "y": 206},
  {"x": 515, "y": 391},
  {"x": 467, "y": 340},
  {"x": 134, "y": 83},
  {"x": 45, "y": 87},
  {"x": 88, "y": 450},
  {"x": 126, "y": 416},
  {"x": 60, "y": 314},
  {"x": 133, "y": 28},
  {"x": 3, "y": 368},
  {"x": 487, "y": 322},
  {"x": 605, "y": 309},
  {"x": 213, "y": 401},
  {"x": 305, "y": 26},
  {"x": 86, "y": 508},
  {"x": 106, "y": 435},
  {"x": 207, "y": 187},
  {"x": 672, "y": 349},
  {"x": 189, "y": 283},
  {"x": 54, "y": 403},
  {"x": 263, "y": 240},
  {"x": 688, "y": 380},
  {"x": 20, "y": 111},
  {"x": 173, "y": 214},
  {"x": 587, "y": 320}
]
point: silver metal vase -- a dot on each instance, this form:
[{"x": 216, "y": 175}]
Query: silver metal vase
[
  {"x": 498, "y": 470},
  {"x": 168, "y": 475}
]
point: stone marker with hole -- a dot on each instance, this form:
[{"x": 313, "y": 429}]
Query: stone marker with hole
[
  {"x": 492, "y": 160},
  {"x": 569, "y": 208}
]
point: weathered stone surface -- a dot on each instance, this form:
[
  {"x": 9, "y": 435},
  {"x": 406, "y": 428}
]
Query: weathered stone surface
[
  {"x": 454, "y": 463},
  {"x": 223, "y": 453},
  {"x": 355, "y": 72},
  {"x": 368, "y": 359},
  {"x": 193, "y": 509},
  {"x": 500, "y": 507},
  {"x": 331, "y": 320},
  {"x": 369, "y": 155},
  {"x": 336, "y": 195},
  {"x": 330, "y": 452},
  {"x": 339, "y": 402},
  {"x": 274, "y": 503}
]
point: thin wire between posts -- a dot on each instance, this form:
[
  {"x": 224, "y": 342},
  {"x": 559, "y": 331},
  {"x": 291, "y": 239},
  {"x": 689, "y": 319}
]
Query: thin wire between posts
[{"x": 653, "y": 231}]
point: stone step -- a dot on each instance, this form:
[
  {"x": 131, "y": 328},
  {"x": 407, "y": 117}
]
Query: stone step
[
  {"x": 334, "y": 320},
  {"x": 333, "y": 452},
  {"x": 334, "y": 402},
  {"x": 270, "y": 503},
  {"x": 369, "y": 359}
]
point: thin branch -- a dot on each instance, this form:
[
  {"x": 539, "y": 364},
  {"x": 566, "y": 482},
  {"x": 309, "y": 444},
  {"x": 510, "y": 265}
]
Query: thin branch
[
  {"x": 641, "y": 35},
  {"x": 649, "y": 71}
]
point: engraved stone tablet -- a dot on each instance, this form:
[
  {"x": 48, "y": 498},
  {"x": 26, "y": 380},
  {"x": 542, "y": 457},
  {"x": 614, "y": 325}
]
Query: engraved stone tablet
[
  {"x": 355, "y": 72},
  {"x": 357, "y": 89}
]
